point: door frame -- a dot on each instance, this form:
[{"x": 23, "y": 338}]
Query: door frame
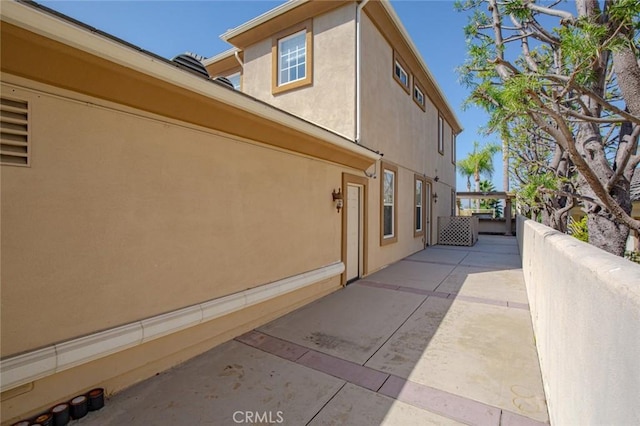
[{"x": 364, "y": 183}]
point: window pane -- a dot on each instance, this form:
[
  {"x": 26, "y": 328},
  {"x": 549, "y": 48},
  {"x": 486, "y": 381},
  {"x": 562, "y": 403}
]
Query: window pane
[
  {"x": 292, "y": 58},
  {"x": 418, "y": 218},
  {"x": 388, "y": 221},
  {"x": 388, "y": 187},
  {"x": 418, "y": 193}
]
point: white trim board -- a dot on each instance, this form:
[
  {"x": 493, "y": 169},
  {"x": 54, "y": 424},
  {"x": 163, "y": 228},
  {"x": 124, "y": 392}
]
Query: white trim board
[{"x": 34, "y": 365}]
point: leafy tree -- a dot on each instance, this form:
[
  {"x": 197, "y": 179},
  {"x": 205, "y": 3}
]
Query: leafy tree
[
  {"x": 478, "y": 163},
  {"x": 490, "y": 203},
  {"x": 570, "y": 78}
]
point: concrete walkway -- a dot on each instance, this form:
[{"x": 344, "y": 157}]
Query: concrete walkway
[{"x": 441, "y": 337}]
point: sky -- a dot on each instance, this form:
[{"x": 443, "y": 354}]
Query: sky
[{"x": 170, "y": 27}]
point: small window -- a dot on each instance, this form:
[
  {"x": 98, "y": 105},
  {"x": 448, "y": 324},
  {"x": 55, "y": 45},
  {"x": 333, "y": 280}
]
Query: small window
[
  {"x": 389, "y": 204},
  {"x": 419, "y": 208},
  {"x": 14, "y": 129},
  {"x": 235, "y": 80},
  {"x": 453, "y": 148},
  {"x": 400, "y": 72},
  {"x": 418, "y": 96},
  {"x": 292, "y": 60},
  {"x": 440, "y": 136}
]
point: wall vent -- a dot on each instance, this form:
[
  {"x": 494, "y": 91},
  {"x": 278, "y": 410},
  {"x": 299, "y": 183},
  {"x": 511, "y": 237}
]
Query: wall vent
[{"x": 14, "y": 129}]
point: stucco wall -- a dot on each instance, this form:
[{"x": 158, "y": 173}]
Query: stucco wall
[
  {"x": 585, "y": 306},
  {"x": 392, "y": 122},
  {"x": 122, "y": 217},
  {"x": 408, "y": 136},
  {"x": 330, "y": 102}
]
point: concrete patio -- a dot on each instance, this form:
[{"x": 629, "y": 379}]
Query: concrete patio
[{"x": 441, "y": 337}]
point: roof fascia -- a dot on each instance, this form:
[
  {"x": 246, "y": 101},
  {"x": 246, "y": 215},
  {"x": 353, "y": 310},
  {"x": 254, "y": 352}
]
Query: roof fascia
[{"x": 54, "y": 27}]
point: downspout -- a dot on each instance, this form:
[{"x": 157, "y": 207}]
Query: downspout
[
  {"x": 358, "y": 71},
  {"x": 237, "y": 55},
  {"x": 359, "y": 8}
]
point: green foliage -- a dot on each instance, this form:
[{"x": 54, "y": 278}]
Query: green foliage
[
  {"x": 479, "y": 162},
  {"x": 633, "y": 256},
  {"x": 490, "y": 203},
  {"x": 529, "y": 194},
  {"x": 579, "y": 229}
]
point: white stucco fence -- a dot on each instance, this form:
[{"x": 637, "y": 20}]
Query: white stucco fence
[{"x": 585, "y": 307}]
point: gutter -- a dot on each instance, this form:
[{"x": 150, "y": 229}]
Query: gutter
[
  {"x": 56, "y": 26},
  {"x": 283, "y": 8}
]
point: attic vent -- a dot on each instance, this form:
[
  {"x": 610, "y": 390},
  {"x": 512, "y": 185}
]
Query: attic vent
[
  {"x": 14, "y": 129},
  {"x": 191, "y": 64},
  {"x": 225, "y": 81}
]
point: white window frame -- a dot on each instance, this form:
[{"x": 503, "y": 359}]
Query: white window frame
[
  {"x": 391, "y": 204},
  {"x": 389, "y": 170},
  {"x": 419, "y": 208},
  {"x": 440, "y": 135},
  {"x": 418, "y": 95},
  {"x": 398, "y": 66},
  {"x": 302, "y": 34}
]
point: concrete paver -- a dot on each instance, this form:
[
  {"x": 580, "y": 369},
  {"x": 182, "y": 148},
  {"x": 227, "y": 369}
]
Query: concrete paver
[
  {"x": 356, "y": 406},
  {"x": 220, "y": 387},
  {"x": 414, "y": 274},
  {"x": 442, "y": 337},
  {"x": 485, "y": 282},
  {"x": 474, "y": 350},
  {"x": 351, "y": 324}
]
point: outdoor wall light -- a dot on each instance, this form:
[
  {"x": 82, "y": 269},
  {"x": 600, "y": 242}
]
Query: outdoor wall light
[
  {"x": 436, "y": 178},
  {"x": 435, "y": 197},
  {"x": 337, "y": 198}
]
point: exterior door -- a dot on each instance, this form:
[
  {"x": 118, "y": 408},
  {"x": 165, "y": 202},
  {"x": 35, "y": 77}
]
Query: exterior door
[{"x": 355, "y": 239}]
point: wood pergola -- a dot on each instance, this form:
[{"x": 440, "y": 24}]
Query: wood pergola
[{"x": 495, "y": 195}]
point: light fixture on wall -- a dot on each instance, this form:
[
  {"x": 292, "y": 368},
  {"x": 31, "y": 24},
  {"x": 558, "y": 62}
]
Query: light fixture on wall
[
  {"x": 337, "y": 198},
  {"x": 436, "y": 178},
  {"x": 435, "y": 197}
]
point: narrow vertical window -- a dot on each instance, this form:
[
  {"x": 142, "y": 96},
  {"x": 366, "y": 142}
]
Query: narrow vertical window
[
  {"x": 440, "y": 135},
  {"x": 418, "y": 212},
  {"x": 453, "y": 148},
  {"x": 389, "y": 204},
  {"x": 418, "y": 96}
]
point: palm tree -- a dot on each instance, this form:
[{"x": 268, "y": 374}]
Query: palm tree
[{"x": 478, "y": 163}]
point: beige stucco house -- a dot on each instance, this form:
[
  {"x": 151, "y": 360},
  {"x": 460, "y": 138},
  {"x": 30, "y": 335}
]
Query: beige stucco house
[{"x": 149, "y": 214}]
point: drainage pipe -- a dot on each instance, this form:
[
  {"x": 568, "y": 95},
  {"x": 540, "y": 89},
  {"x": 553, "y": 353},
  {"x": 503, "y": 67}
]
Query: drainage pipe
[{"x": 358, "y": 69}]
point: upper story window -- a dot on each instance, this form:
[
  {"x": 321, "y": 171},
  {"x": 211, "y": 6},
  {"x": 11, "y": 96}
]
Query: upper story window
[
  {"x": 418, "y": 96},
  {"x": 235, "y": 80},
  {"x": 292, "y": 58},
  {"x": 453, "y": 148},
  {"x": 401, "y": 72},
  {"x": 440, "y": 135}
]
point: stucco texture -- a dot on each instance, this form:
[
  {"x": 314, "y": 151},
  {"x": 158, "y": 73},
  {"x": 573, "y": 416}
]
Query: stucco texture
[{"x": 122, "y": 217}]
